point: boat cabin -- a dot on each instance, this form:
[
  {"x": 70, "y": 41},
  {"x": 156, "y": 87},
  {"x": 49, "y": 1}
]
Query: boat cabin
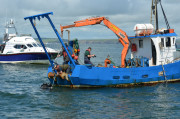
[
  {"x": 13, "y": 43},
  {"x": 157, "y": 48},
  {"x": 21, "y": 44}
]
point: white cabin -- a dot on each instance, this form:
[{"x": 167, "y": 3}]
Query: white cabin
[
  {"x": 24, "y": 44},
  {"x": 158, "y": 48}
]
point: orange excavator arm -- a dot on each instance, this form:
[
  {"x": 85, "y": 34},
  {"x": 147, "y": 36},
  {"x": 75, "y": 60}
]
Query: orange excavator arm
[
  {"x": 123, "y": 38},
  {"x": 86, "y": 22}
]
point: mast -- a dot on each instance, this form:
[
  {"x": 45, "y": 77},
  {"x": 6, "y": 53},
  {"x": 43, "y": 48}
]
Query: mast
[
  {"x": 154, "y": 15},
  {"x": 8, "y": 30}
]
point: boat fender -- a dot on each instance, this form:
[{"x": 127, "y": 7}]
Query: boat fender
[
  {"x": 72, "y": 55},
  {"x": 76, "y": 57},
  {"x": 133, "y": 48}
]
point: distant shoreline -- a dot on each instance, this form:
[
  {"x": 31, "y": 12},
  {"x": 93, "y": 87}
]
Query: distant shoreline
[
  {"x": 66, "y": 40},
  {"x": 46, "y": 40}
]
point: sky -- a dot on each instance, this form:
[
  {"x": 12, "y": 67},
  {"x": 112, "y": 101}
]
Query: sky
[{"x": 123, "y": 13}]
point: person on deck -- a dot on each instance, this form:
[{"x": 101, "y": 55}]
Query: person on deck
[
  {"x": 87, "y": 56},
  {"x": 64, "y": 54},
  {"x": 58, "y": 69},
  {"x": 62, "y": 72}
]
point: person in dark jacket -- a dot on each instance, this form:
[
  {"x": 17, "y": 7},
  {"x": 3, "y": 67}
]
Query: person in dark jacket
[
  {"x": 87, "y": 56},
  {"x": 64, "y": 54}
]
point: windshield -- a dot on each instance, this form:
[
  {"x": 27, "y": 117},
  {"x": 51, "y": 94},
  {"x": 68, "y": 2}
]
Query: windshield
[
  {"x": 19, "y": 46},
  {"x": 38, "y": 45},
  {"x": 35, "y": 45},
  {"x": 29, "y": 45}
]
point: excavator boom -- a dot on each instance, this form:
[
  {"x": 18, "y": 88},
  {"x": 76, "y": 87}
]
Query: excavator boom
[{"x": 123, "y": 38}]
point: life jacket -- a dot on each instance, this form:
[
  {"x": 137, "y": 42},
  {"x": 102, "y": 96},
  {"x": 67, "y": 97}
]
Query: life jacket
[{"x": 64, "y": 54}]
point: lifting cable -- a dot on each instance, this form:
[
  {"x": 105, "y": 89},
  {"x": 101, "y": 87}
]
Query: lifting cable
[
  {"x": 164, "y": 73},
  {"x": 165, "y": 18}
]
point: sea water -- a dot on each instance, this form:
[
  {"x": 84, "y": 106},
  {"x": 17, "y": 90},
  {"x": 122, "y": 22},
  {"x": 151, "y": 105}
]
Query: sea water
[{"x": 22, "y": 97}]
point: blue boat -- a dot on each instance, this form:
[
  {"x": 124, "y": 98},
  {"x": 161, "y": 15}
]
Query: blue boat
[{"x": 154, "y": 59}]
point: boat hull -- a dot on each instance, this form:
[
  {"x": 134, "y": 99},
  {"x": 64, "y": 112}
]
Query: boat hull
[
  {"x": 40, "y": 58},
  {"x": 85, "y": 76}
]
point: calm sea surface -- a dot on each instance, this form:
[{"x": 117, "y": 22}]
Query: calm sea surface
[{"x": 22, "y": 97}]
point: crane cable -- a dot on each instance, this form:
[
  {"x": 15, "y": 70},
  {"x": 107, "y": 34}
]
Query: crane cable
[{"x": 165, "y": 18}]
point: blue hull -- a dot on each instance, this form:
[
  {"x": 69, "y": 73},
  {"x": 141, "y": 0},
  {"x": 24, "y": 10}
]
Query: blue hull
[
  {"x": 84, "y": 76},
  {"x": 24, "y": 57}
]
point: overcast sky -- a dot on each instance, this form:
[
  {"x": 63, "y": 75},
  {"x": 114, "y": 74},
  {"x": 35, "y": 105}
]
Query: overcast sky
[{"x": 123, "y": 13}]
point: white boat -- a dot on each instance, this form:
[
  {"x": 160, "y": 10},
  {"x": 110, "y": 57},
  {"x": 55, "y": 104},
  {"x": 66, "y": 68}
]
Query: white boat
[{"x": 22, "y": 49}]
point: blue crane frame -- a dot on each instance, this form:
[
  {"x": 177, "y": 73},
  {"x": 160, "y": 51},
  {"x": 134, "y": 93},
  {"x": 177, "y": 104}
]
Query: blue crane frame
[{"x": 46, "y": 15}]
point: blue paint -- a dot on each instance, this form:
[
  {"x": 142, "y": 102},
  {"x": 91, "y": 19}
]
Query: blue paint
[
  {"x": 39, "y": 16},
  {"x": 101, "y": 76},
  {"x": 61, "y": 41},
  {"x": 23, "y": 57},
  {"x": 155, "y": 35},
  {"x": 31, "y": 18}
]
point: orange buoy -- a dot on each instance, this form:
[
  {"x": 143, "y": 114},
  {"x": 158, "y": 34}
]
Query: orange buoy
[
  {"x": 75, "y": 50},
  {"x": 72, "y": 55},
  {"x": 75, "y": 57}
]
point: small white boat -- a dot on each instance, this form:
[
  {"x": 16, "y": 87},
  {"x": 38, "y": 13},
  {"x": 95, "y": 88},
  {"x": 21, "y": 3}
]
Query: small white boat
[{"x": 22, "y": 49}]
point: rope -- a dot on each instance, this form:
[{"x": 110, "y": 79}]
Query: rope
[{"x": 164, "y": 72}]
